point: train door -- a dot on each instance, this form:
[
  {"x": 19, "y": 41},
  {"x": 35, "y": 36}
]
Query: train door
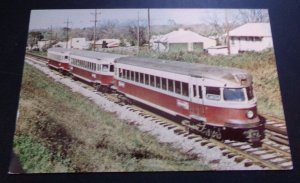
[{"x": 196, "y": 97}]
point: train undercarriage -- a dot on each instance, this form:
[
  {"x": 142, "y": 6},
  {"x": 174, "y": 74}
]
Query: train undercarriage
[{"x": 252, "y": 135}]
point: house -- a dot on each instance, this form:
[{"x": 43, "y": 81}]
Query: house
[
  {"x": 78, "y": 43},
  {"x": 43, "y": 43},
  {"x": 181, "y": 40},
  {"x": 250, "y": 37}
]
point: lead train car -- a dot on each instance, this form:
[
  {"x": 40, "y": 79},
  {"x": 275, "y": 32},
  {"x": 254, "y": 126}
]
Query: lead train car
[
  {"x": 94, "y": 67},
  {"x": 217, "y": 102}
]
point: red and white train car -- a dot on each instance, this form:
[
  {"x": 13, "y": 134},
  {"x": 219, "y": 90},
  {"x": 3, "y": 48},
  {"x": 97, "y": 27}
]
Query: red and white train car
[
  {"x": 59, "y": 59},
  {"x": 94, "y": 67},
  {"x": 216, "y": 101}
]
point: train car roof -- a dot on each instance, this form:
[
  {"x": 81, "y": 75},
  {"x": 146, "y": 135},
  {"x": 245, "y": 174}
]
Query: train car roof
[
  {"x": 96, "y": 55},
  {"x": 60, "y": 50},
  {"x": 191, "y": 69}
]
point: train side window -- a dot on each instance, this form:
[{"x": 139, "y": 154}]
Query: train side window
[
  {"x": 151, "y": 80},
  {"x": 111, "y": 68},
  {"x": 132, "y": 75},
  {"x": 127, "y": 74},
  {"x": 141, "y": 77},
  {"x": 164, "y": 83},
  {"x": 213, "y": 93},
  {"x": 200, "y": 91},
  {"x": 105, "y": 68},
  {"x": 146, "y": 79},
  {"x": 194, "y": 91},
  {"x": 185, "y": 89},
  {"x": 120, "y": 72},
  {"x": 157, "y": 82},
  {"x": 123, "y": 73},
  {"x": 136, "y": 76},
  {"x": 170, "y": 85},
  {"x": 177, "y": 87}
]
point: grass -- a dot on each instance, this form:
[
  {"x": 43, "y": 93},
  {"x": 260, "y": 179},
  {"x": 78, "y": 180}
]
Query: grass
[{"x": 61, "y": 131}]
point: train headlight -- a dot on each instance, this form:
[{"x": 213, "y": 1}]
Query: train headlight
[{"x": 250, "y": 114}]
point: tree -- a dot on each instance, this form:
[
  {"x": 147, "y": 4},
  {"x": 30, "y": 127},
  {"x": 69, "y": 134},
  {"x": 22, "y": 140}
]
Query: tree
[
  {"x": 223, "y": 24},
  {"x": 253, "y": 15},
  {"x": 142, "y": 34},
  {"x": 34, "y": 37},
  {"x": 108, "y": 29},
  {"x": 133, "y": 31}
]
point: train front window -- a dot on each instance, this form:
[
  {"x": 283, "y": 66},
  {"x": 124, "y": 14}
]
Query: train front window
[
  {"x": 234, "y": 94},
  {"x": 250, "y": 92}
]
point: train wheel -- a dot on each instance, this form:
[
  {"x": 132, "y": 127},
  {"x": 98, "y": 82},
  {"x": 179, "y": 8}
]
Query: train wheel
[
  {"x": 74, "y": 78},
  {"x": 97, "y": 86},
  {"x": 104, "y": 89},
  {"x": 186, "y": 124},
  {"x": 256, "y": 144}
]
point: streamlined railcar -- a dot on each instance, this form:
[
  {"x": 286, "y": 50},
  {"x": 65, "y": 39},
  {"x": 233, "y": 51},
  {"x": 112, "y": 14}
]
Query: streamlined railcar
[
  {"x": 58, "y": 58},
  {"x": 95, "y": 68},
  {"x": 217, "y": 102}
]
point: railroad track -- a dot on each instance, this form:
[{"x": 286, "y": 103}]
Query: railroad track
[
  {"x": 274, "y": 154},
  {"x": 271, "y": 155}
]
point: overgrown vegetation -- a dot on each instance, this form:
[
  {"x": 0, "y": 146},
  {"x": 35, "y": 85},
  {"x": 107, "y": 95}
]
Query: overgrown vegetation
[{"x": 61, "y": 131}]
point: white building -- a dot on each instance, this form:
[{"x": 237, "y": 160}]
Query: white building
[
  {"x": 41, "y": 44},
  {"x": 78, "y": 43},
  {"x": 250, "y": 37},
  {"x": 181, "y": 39},
  {"x": 74, "y": 43}
]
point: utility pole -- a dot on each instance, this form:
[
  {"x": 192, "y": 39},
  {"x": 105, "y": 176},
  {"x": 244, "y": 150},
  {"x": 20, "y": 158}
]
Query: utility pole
[
  {"x": 51, "y": 33},
  {"x": 227, "y": 27},
  {"x": 138, "y": 33},
  {"x": 67, "y": 23},
  {"x": 149, "y": 35},
  {"x": 95, "y": 26}
]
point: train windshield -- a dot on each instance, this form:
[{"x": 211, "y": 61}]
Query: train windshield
[{"x": 234, "y": 94}]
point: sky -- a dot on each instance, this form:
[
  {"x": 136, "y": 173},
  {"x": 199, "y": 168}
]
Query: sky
[{"x": 42, "y": 19}]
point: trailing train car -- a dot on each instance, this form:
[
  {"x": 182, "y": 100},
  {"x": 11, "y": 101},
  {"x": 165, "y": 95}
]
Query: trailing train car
[
  {"x": 94, "y": 67},
  {"x": 217, "y": 102},
  {"x": 59, "y": 59}
]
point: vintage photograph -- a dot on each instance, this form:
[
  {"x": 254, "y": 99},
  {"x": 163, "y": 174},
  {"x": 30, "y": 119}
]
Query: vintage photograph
[{"x": 148, "y": 90}]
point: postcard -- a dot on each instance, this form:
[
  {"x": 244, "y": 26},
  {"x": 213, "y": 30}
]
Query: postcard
[{"x": 150, "y": 90}]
